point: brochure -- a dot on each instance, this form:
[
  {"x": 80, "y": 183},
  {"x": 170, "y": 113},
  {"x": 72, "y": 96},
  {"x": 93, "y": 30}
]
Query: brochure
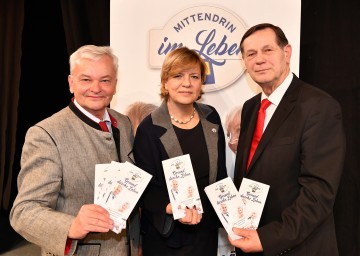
[
  {"x": 241, "y": 208},
  {"x": 118, "y": 187},
  {"x": 181, "y": 185}
]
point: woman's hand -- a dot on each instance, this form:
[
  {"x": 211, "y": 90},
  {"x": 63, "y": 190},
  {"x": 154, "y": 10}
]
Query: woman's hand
[{"x": 192, "y": 216}]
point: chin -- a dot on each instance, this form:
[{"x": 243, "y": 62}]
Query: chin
[{"x": 233, "y": 148}]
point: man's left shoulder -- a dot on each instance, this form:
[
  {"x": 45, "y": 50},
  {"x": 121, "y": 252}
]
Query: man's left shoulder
[
  {"x": 117, "y": 115},
  {"x": 310, "y": 91}
]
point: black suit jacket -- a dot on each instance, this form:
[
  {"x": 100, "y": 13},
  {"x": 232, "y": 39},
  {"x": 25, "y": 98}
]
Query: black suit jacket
[
  {"x": 156, "y": 141},
  {"x": 300, "y": 156}
]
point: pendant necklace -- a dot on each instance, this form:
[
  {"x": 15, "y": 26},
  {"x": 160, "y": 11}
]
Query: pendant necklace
[{"x": 181, "y": 122}]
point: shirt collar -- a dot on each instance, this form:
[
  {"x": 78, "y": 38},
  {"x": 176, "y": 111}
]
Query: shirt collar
[
  {"x": 276, "y": 96},
  {"x": 91, "y": 116}
]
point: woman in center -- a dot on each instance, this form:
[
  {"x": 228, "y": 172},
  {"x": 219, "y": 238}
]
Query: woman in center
[{"x": 180, "y": 126}]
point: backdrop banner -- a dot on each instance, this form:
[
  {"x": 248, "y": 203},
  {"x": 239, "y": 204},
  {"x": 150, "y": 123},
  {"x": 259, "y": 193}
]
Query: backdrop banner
[{"x": 143, "y": 32}]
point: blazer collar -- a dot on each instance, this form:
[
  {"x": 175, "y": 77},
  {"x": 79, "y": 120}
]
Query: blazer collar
[
  {"x": 161, "y": 117},
  {"x": 285, "y": 107},
  {"x": 115, "y": 132},
  {"x": 89, "y": 121}
]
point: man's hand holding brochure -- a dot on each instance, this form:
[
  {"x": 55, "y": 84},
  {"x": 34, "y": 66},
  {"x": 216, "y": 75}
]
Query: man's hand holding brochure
[{"x": 118, "y": 187}]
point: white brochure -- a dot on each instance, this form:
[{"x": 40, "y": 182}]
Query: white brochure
[
  {"x": 241, "y": 208},
  {"x": 181, "y": 185},
  {"x": 118, "y": 187}
]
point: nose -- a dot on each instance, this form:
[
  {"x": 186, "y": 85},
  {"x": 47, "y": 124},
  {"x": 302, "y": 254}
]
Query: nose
[
  {"x": 96, "y": 86},
  {"x": 186, "y": 81},
  {"x": 260, "y": 58}
]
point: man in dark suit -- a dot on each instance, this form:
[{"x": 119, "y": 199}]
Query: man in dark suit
[{"x": 300, "y": 154}]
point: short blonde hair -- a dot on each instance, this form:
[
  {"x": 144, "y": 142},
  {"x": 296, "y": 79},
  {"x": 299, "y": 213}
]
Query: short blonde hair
[{"x": 180, "y": 59}]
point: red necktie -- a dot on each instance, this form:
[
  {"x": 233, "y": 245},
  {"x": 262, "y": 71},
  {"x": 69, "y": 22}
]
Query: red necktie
[
  {"x": 259, "y": 128},
  {"x": 103, "y": 126}
]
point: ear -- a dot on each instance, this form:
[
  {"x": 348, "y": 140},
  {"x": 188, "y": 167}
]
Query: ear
[
  {"x": 115, "y": 86},
  {"x": 288, "y": 51},
  {"x": 71, "y": 83}
]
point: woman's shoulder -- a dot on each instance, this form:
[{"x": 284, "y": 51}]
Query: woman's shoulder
[{"x": 207, "y": 111}]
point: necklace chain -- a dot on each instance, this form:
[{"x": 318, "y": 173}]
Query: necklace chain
[{"x": 181, "y": 122}]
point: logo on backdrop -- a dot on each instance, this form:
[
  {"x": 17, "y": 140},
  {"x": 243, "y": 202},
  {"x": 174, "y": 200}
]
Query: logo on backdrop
[{"x": 212, "y": 31}]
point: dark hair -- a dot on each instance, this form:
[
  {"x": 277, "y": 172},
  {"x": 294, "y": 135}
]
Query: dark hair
[{"x": 281, "y": 39}]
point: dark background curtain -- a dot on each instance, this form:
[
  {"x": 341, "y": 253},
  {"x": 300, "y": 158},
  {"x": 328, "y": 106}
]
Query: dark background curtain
[{"x": 37, "y": 37}]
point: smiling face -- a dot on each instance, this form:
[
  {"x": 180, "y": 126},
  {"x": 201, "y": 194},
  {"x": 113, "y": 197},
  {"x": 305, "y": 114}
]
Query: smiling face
[
  {"x": 190, "y": 191},
  {"x": 240, "y": 211},
  {"x": 124, "y": 207},
  {"x": 268, "y": 64},
  {"x": 175, "y": 185},
  {"x": 223, "y": 208},
  {"x": 117, "y": 190},
  {"x": 182, "y": 66},
  {"x": 93, "y": 83},
  {"x": 184, "y": 86}
]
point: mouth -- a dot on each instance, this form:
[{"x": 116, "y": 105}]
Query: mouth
[
  {"x": 188, "y": 93},
  {"x": 95, "y": 97},
  {"x": 261, "y": 70}
]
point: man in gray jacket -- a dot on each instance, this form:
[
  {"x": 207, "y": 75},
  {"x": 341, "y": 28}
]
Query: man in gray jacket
[{"x": 54, "y": 207}]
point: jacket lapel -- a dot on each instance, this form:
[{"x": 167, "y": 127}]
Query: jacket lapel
[
  {"x": 250, "y": 112},
  {"x": 161, "y": 117},
  {"x": 285, "y": 107},
  {"x": 211, "y": 137}
]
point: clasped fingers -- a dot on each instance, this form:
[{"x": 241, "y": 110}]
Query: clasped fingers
[{"x": 192, "y": 216}]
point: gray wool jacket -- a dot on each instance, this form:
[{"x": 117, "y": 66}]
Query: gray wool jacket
[{"x": 57, "y": 177}]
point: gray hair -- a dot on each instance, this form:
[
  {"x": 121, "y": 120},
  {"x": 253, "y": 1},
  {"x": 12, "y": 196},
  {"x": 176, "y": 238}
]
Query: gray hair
[{"x": 93, "y": 52}]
